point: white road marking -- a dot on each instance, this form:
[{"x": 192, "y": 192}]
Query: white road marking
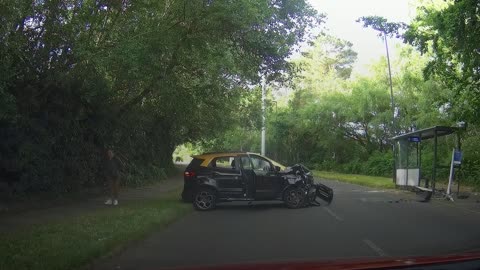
[
  {"x": 375, "y": 248},
  {"x": 333, "y": 214}
]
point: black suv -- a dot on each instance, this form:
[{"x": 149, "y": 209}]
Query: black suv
[{"x": 239, "y": 176}]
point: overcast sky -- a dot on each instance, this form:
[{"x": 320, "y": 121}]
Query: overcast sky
[{"x": 341, "y": 16}]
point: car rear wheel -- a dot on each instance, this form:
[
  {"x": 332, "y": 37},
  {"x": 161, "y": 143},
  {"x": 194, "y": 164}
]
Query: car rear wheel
[
  {"x": 294, "y": 197},
  {"x": 205, "y": 199}
]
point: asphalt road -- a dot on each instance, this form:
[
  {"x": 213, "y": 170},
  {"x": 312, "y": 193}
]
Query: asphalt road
[{"x": 361, "y": 222}]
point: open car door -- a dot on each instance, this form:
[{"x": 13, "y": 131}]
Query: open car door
[
  {"x": 248, "y": 176},
  {"x": 268, "y": 182}
]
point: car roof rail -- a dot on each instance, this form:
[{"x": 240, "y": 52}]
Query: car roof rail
[{"x": 223, "y": 152}]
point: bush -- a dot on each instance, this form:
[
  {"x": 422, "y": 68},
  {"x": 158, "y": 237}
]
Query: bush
[
  {"x": 327, "y": 165},
  {"x": 353, "y": 167},
  {"x": 470, "y": 170},
  {"x": 137, "y": 175},
  {"x": 379, "y": 164}
]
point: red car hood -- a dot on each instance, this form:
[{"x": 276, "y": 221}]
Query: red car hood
[{"x": 357, "y": 264}]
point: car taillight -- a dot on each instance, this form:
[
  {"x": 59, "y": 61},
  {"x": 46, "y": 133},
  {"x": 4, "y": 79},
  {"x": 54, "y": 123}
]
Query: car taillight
[{"x": 189, "y": 174}]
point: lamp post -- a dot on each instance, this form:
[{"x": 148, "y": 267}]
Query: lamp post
[
  {"x": 263, "y": 116},
  {"x": 394, "y": 126},
  {"x": 391, "y": 85}
]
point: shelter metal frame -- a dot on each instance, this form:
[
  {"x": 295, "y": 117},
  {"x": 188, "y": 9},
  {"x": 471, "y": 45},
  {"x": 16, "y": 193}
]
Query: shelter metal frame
[{"x": 402, "y": 146}]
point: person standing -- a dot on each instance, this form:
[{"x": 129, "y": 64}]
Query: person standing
[{"x": 112, "y": 175}]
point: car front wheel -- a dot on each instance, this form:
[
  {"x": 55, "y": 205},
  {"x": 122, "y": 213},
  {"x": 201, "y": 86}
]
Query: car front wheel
[
  {"x": 294, "y": 197},
  {"x": 205, "y": 199}
]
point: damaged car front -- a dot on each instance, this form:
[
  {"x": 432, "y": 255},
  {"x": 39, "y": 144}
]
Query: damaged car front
[{"x": 301, "y": 189}]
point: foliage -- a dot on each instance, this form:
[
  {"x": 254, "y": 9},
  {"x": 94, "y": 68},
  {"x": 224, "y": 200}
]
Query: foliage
[
  {"x": 364, "y": 180},
  {"x": 329, "y": 125},
  {"x": 382, "y": 25},
  {"x": 184, "y": 152},
  {"x": 245, "y": 124},
  {"x": 377, "y": 164},
  {"x": 449, "y": 31},
  {"x": 77, "y": 77},
  {"x": 470, "y": 170},
  {"x": 327, "y": 55}
]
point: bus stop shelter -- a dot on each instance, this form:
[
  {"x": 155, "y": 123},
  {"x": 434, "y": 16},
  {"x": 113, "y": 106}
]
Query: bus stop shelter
[{"x": 408, "y": 155}]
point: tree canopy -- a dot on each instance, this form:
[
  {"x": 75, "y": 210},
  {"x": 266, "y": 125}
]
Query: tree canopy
[
  {"x": 450, "y": 33},
  {"x": 138, "y": 76}
]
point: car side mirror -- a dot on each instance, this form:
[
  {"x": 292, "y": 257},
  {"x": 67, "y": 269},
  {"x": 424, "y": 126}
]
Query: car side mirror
[{"x": 277, "y": 168}]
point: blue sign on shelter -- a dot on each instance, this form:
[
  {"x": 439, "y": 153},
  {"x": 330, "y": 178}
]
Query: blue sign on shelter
[
  {"x": 414, "y": 139},
  {"x": 457, "y": 157}
]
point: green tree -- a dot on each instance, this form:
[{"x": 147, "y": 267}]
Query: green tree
[
  {"x": 142, "y": 76},
  {"x": 325, "y": 65},
  {"x": 450, "y": 32}
]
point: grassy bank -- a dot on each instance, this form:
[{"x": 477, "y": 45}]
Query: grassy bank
[
  {"x": 364, "y": 180},
  {"x": 75, "y": 242}
]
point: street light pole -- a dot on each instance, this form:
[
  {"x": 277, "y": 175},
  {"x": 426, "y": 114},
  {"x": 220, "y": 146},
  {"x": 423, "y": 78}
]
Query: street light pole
[
  {"x": 391, "y": 85},
  {"x": 394, "y": 126},
  {"x": 263, "y": 115}
]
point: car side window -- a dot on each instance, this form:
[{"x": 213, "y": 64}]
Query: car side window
[
  {"x": 227, "y": 162},
  {"x": 245, "y": 160},
  {"x": 261, "y": 164}
]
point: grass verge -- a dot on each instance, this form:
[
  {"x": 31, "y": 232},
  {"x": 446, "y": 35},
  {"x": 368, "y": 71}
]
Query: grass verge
[
  {"x": 75, "y": 242},
  {"x": 364, "y": 180}
]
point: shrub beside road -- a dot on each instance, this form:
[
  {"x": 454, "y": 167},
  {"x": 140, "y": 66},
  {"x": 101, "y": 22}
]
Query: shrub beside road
[{"x": 364, "y": 180}]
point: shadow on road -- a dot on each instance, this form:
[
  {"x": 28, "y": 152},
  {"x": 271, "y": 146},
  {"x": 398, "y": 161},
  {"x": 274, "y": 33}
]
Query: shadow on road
[{"x": 252, "y": 206}]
